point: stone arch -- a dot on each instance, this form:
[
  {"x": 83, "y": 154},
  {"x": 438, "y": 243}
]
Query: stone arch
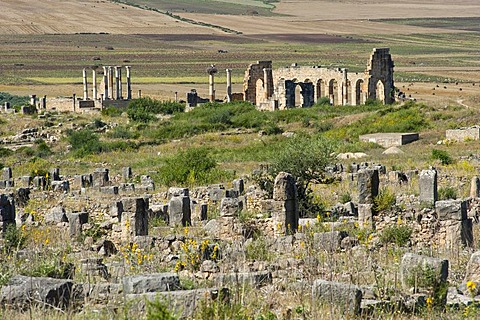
[
  {"x": 333, "y": 91},
  {"x": 259, "y": 91},
  {"x": 380, "y": 91},
  {"x": 319, "y": 88},
  {"x": 359, "y": 97}
]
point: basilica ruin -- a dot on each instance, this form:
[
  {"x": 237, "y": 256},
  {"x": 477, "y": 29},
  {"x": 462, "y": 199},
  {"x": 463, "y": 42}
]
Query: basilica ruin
[{"x": 302, "y": 86}]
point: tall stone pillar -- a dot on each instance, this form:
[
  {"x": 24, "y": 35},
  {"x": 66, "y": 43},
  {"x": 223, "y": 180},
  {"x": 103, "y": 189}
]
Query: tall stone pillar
[
  {"x": 94, "y": 80},
  {"x": 33, "y": 100},
  {"x": 211, "y": 80},
  {"x": 285, "y": 193},
  {"x": 176, "y": 96},
  {"x": 211, "y": 87},
  {"x": 44, "y": 102},
  {"x": 105, "y": 83},
  {"x": 85, "y": 86},
  {"x": 117, "y": 83},
  {"x": 229, "y": 85},
  {"x": 129, "y": 83},
  {"x": 266, "y": 88},
  {"x": 74, "y": 98},
  {"x": 344, "y": 87},
  {"x": 120, "y": 88},
  {"x": 110, "y": 82}
]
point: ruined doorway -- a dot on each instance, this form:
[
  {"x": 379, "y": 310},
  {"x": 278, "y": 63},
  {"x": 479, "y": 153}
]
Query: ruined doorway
[
  {"x": 348, "y": 93},
  {"x": 380, "y": 91},
  {"x": 359, "y": 95},
  {"x": 298, "y": 95},
  {"x": 260, "y": 92},
  {"x": 332, "y": 88},
  {"x": 319, "y": 89}
]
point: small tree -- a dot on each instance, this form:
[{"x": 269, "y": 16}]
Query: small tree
[{"x": 305, "y": 157}]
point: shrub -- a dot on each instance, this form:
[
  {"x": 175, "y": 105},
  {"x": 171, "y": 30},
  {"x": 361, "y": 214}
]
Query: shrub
[
  {"x": 447, "y": 193},
  {"x": 158, "y": 310},
  {"x": 345, "y": 197},
  {"x": 43, "y": 150},
  {"x": 443, "y": 156},
  {"x": 4, "y": 152},
  {"x": 323, "y": 101},
  {"x": 84, "y": 142},
  {"x": 122, "y": 132},
  {"x": 111, "y": 111},
  {"x": 384, "y": 200},
  {"x": 192, "y": 166},
  {"x": 14, "y": 238},
  {"x": 144, "y": 109},
  {"x": 397, "y": 234}
]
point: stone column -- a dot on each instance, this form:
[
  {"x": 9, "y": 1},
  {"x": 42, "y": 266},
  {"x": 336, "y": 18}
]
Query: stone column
[
  {"x": 74, "y": 98},
  {"x": 120, "y": 87},
  {"x": 285, "y": 192},
  {"x": 85, "y": 86},
  {"x": 7, "y": 106},
  {"x": 94, "y": 80},
  {"x": 110, "y": 82},
  {"x": 176, "y": 96},
  {"x": 105, "y": 83},
  {"x": 475, "y": 187},
  {"x": 129, "y": 83},
  {"x": 44, "y": 102},
  {"x": 368, "y": 183},
  {"x": 211, "y": 87},
  {"x": 229, "y": 85},
  {"x": 33, "y": 100},
  {"x": 117, "y": 83},
  {"x": 266, "y": 89},
  {"x": 344, "y": 87},
  {"x": 139, "y": 94},
  {"x": 428, "y": 187}
]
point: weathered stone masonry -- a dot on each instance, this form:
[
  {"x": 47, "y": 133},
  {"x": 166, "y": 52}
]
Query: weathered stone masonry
[{"x": 301, "y": 86}]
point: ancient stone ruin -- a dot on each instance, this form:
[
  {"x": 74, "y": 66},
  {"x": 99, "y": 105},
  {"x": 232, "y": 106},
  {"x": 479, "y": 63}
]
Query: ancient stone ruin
[{"x": 299, "y": 86}]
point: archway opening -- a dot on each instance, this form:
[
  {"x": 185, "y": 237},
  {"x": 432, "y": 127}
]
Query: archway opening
[
  {"x": 259, "y": 92},
  {"x": 332, "y": 89},
  {"x": 380, "y": 91},
  {"x": 359, "y": 95}
]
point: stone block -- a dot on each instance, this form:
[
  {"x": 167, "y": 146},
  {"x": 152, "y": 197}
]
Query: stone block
[
  {"x": 472, "y": 274},
  {"x": 179, "y": 211},
  {"x": 419, "y": 273},
  {"x": 56, "y": 215},
  {"x": 255, "y": 279},
  {"x": 60, "y": 186},
  {"x": 365, "y": 215},
  {"x": 6, "y": 173},
  {"x": 177, "y": 192},
  {"x": 151, "y": 283},
  {"x": 459, "y": 234},
  {"x": 347, "y": 297},
  {"x": 428, "y": 186},
  {"x": 329, "y": 241},
  {"x": 76, "y": 220},
  {"x": 100, "y": 177},
  {"x": 367, "y": 185},
  {"x": 182, "y": 303},
  {"x": 451, "y": 210},
  {"x": 230, "y": 207},
  {"x": 285, "y": 187},
  {"x": 21, "y": 292},
  {"x": 239, "y": 185}
]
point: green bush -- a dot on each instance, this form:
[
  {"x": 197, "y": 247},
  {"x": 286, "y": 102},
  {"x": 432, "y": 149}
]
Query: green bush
[
  {"x": 192, "y": 166},
  {"x": 446, "y": 193},
  {"x": 111, "y": 111},
  {"x": 345, "y": 197},
  {"x": 397, "y": 234},
  {"x": 158, "y": 310},
  {"x": 145, "y": 109},
  {"x": 14, "y": 239},
  {"x": 43, "y": 150},
  {"x": 14, "y": 100},
  {"x": 323, "y": 101},
  {"x": 122, "y": 132},
  {"x": 384, "y": 200},
  {"x": 443, "y": 156},
  {"x": 84, "y": 142},
  {"x": 4, "y": 152}
]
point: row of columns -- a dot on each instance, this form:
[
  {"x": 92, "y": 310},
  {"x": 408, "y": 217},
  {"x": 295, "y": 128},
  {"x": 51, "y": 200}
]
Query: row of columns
[
  {"x": 211, "y": 86},
  {"x": 112, "y": 75}
]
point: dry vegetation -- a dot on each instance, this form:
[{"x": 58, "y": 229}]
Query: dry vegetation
[{"x": 45, "y": 45}]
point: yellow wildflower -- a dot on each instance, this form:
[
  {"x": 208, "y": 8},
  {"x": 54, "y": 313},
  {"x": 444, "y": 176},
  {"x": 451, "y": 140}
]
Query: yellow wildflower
[
  {"x": 429, "y": 301},
  {"x": 471, "y": 285}
]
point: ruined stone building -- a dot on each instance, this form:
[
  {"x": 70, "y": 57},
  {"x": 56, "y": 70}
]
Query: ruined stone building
[{"x": 300, "y": 86}]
